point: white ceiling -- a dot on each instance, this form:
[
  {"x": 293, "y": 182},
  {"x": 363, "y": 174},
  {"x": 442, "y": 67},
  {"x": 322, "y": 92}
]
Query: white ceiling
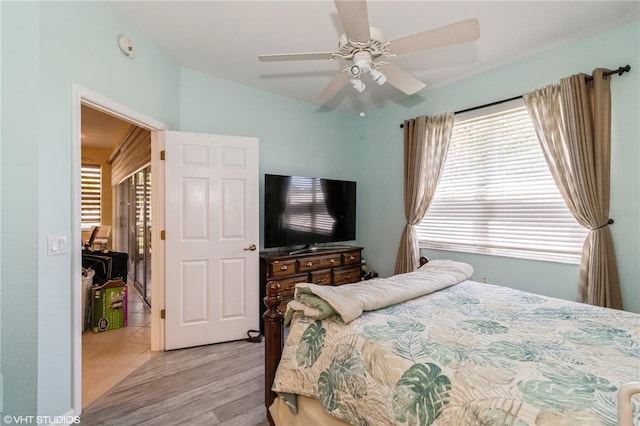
[{"x": 224, "y": 38}]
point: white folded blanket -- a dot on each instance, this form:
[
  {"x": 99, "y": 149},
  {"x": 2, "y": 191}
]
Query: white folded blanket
[{"x": 348, "y": 302}]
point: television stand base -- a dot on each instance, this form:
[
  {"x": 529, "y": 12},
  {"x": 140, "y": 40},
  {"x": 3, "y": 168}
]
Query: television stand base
[{"x": 314, "y": 249}]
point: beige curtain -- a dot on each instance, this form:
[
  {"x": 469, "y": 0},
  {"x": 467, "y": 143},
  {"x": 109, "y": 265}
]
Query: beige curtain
[
  {"x": 426, "y": 141},
  {"x": 573, "y": 123}
]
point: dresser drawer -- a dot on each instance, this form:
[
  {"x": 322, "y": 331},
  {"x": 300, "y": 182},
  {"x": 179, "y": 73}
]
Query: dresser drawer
[
  {"x": 288, "y": 289},
  {"x": 351, "y": 258},
  {"x": 282, "y": 268},
  {"x": 346, "y": 275},
  {"x": 321, "y": 277},
  {"x": 287, "y": 285},
  {"x": 313, "y": 263}
]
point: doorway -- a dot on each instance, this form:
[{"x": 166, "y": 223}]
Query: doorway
[
  {"x": 85, "y": 97},
  {"x": 103, "y": 138}
]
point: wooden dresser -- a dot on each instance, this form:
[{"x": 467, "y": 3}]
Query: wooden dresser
[{"x": 335, "y": 266}]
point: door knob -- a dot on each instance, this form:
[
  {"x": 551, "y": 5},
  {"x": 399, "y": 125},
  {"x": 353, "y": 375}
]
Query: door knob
[{"x": 252, "y": 247}]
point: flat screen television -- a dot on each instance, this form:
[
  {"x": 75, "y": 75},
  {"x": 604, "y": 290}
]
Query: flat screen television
[{"x": 305, "y": 211}]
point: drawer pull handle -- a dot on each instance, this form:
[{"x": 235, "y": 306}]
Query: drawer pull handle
[
  {"x": 283, "y": 268},
  {"x": 309, "y": 264},
  {"x": 348, "y": 277},
  {"x": 332, "y": 261},
  {"x": 351, "y": 258},
  {"x": 321, "y": 281}
]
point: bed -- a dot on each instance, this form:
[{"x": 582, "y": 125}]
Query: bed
[{"x": 455, "y": 352}]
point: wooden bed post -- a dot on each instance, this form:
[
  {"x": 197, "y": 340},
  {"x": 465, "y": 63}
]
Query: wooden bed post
[{"x": 273, "y": 341}]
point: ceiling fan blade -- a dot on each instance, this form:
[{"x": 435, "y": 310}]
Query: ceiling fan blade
[
  {"x": 355, "y": 19},
  {"x": 334, "y": 86},
  {"x": 295, "y": 56},
  {"x": 458, "y": 32},
  {"x": 401, "y": 79}
]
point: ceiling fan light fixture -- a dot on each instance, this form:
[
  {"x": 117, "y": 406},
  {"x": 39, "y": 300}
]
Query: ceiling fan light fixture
[
  {"x": 363, "y": 64},
  {"x": 354, "y": 70},
  {"x": 378, "y": 77},
  {"x": 358, "y": 85}
]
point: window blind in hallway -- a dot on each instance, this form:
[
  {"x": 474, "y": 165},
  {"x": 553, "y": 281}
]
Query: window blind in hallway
[{"x": 131, "y": 156}]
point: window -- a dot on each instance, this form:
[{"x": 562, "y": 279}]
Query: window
[
  {"x": 90, "y": 188},
  {"x": 496, "y": 195}
]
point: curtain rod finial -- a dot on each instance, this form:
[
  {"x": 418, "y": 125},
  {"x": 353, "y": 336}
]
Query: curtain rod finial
[{"x": 622, "y": 70}]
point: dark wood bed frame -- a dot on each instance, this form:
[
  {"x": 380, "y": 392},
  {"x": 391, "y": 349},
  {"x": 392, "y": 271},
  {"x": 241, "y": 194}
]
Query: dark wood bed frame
[{"x": 274, "y": 339}]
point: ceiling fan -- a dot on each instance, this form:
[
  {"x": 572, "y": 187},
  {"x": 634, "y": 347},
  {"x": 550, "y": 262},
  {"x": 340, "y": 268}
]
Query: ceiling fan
[{"x": 368, "y": 53}]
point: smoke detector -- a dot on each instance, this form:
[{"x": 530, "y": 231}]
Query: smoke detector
[{"x": 126, "y": 45}]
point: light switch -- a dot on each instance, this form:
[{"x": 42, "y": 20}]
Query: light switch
[{"x": 56, "y": 244}]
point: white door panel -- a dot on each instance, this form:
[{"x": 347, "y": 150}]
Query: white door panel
[{"x": 211, "y": 219}]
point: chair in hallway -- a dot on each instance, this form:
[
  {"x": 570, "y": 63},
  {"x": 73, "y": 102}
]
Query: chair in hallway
[
  {"x": 102, "y": 238},
  {"x": 94, "y": 233}
]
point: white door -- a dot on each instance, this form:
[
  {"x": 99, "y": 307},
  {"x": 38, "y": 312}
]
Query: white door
[{"x": 211, "y": 238}]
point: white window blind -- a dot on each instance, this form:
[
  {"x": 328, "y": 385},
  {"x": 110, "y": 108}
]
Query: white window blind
[
  {"x": 497, "y": 196},
  {"x": 90, "y": 188},
  {"x": 133, "y": 155}
]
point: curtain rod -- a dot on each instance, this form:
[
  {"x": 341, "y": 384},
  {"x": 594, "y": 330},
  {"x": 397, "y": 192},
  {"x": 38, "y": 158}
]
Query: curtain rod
[{"x": 619, "y": 71}]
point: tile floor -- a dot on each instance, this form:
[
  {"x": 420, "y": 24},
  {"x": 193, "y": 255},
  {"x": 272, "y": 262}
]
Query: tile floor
[{"x": 109, "y": 357}]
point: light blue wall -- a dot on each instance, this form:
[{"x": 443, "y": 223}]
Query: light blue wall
[
  {"x": 47, "y": 47},
  {"x": 19, "y": 350},
  {"x": 378, "y": 145},
  {"x": 18, "y": 283},
  {"x": 1, "y": 397}
]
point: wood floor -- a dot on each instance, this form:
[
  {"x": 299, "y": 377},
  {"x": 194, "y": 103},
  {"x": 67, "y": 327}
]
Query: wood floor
[{"x": 209, "y": 385}]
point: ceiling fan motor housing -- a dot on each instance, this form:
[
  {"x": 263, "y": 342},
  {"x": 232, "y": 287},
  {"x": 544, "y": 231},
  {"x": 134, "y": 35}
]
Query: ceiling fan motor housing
[{"x": 374, "y": 46}]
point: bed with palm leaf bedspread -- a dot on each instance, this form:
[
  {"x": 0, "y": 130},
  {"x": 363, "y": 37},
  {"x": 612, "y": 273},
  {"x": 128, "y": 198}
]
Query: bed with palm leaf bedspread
[{"x": 466, "y": 353}]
